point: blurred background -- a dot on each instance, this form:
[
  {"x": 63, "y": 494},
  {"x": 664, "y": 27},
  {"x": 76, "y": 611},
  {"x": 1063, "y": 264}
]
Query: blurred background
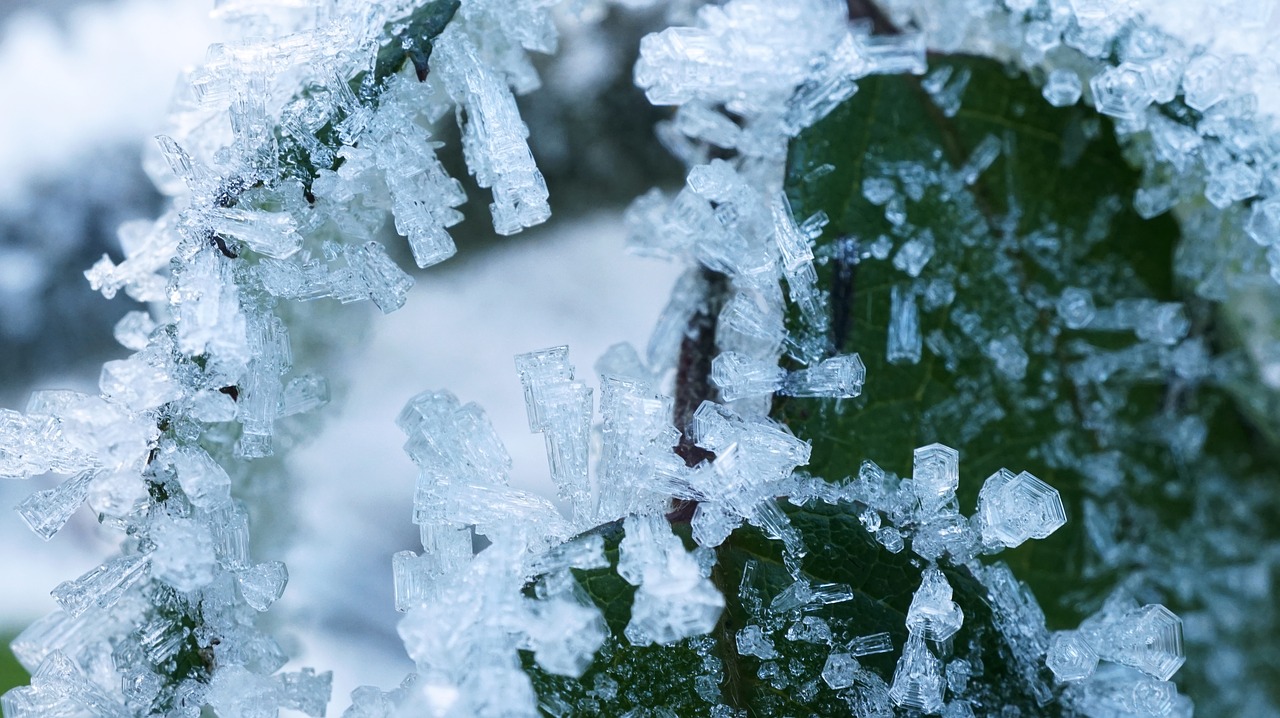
[{"x": 86, "y": 85}]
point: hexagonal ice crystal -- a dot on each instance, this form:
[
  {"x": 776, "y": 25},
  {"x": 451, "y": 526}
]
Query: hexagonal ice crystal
[
  {"x": 840, "y": 670},
  {"x": 1075, "y": 307},
  {"x": 1062, "y": 89},
  {"x": 1119, "y": 92},
  {"x": 1013, "y": 508},
  {"x": 935, "y": 473},
  {"x": 1149, "y": 639},
  {"x": 1070, "y": 657}
]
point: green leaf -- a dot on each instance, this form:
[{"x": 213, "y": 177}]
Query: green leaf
[
  {"x": 408, "y": 40},
  {"x": 12, "y": 674},
  {"x": 693, "y": 676},
  {"x": 1053, "y": 211}
]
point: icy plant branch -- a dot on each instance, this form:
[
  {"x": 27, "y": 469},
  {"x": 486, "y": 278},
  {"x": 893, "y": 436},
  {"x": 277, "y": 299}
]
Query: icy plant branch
[{"x": 794, "y": 576}]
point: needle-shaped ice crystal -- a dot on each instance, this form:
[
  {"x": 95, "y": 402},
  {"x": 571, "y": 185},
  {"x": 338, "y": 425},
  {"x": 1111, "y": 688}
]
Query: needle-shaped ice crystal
[
  {"x": 840, "y": 377},
  {"x": 904, "y": 341},
  {"x": 740, "y": 376}
]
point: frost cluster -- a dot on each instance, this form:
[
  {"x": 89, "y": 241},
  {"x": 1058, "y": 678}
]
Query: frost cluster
[{"x": 287, "y": 151}]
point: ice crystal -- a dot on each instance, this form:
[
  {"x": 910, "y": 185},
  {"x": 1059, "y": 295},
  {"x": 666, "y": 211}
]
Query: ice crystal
[{"x": 291, "y": 146}]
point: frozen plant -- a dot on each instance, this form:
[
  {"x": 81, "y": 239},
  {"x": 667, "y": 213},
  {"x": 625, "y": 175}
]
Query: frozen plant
[{"x": 855, "y": 288}]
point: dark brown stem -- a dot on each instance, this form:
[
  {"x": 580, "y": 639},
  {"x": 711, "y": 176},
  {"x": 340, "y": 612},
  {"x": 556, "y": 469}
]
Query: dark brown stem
[
  {"x": 868, "y": 10},
  {"x": 693, "y": 368}
]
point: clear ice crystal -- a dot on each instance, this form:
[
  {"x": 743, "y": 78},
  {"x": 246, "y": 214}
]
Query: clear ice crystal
[
  {"x": 905, "y": 341},
  {"x": 740, "y": 376},
  {"x": 935, "y": 476},
  {"x": 493, "y": 135},
  {"x": 1120, "y": 92},
  {"x": 385, "y": 283},
  {"x": 752, "y": 641},
  {"x": 840, "y": 377},
  {"x": 1203, "y": 82},
  {"x": 46, "y": 512},
  {"x": 673, "y": 599},
  {"x": 1014, "y": 508},
  {"x": 1075, "y": 307},
  {"x": 1070, "y": 657},
  {"x": 139, "y": 382},
  {"x": 839, "y": 670},
  {"x": 797, "y": 262},
  {"x": 262, "y": 584},
  {"x": 1148, "y": 638},
  {"x": 538, "y": 369},
  {"x": 871, "y": 644},
  {"x": 917, "y": 678},
  {"x": 102, "y": 586},
  {"x": 932, "y": 614},
  {"x": 423, "y": 196},
  {"x": 637, "y": 440}
]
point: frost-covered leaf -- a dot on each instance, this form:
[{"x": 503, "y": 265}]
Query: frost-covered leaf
[
  {"x": 868, "y": 590},
  {"x": 1049, "y": 328}
]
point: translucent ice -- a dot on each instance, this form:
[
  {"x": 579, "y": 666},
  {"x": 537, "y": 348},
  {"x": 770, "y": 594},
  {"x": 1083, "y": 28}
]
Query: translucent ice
[
  {"x": 263, "y": 584},
  {"x": 1016, "y": 508},
  {"x": 917, "y": 679},
  {"x": 739, "y": 376},
  {"x": 184, "y": 555},
  {"x": 905, "y": 341},
  {"x": 1062, "y": 88},
  {"x": 305, "y": 691},
  {"x": 840, "y": 377},
  {"x": 674, "y": 600},
  {"x": 1009, "y": 357},
  {"x": 915, "y": 254},
  {"x": 839, "y": 670},
  {"x": 47, "y": 511},
  {"x": 1075, "y": 307},
  {"x": 932, "y": 613},
  {"x": 1070, "y": 657},
  {"x": 565, "y": 634}
]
